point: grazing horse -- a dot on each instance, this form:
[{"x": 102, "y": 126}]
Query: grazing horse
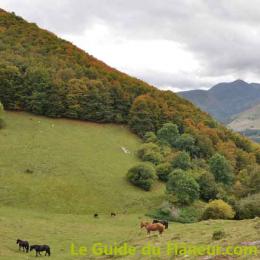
[
  {"x": 164, "y": 222},
  {"x": 113, "y": 214},
  {"x": 38, "y": 249},
  {"x": 152, "y": 227},
  {"x": 23, "y": 244},
  {"x": 95, "y": 215}
]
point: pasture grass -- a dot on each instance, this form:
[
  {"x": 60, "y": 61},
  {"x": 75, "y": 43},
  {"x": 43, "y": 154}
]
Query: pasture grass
[
  {"x": 56, "y": 173},
  {"x": 61, "y": 230},
  {"x": 69, "y": 166}
]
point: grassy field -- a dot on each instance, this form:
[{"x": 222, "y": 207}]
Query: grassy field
[
  {"x": 66, "y": 166},
  {"x": 61, "y": 230},
  {"x": 55, "y": 174}
]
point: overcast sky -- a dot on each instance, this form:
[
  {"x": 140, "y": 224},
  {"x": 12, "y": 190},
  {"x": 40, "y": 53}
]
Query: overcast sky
[{"x": 173, "y": 44}]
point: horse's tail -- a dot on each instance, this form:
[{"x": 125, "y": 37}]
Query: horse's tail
[{"x": 49, "y": 251}]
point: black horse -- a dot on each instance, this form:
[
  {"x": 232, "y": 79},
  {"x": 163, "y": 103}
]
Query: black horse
[
  {"x": 38, "y": 249},
  {"x": 113, "y": 214},
  {"x": 164, "y": 222},
  {"x": 95, "y": 215},
  {"x": 23, "y": 244}
]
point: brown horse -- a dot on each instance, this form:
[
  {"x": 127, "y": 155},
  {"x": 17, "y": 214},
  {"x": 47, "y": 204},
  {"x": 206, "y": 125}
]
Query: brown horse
[{"x": 152, "y": 227}]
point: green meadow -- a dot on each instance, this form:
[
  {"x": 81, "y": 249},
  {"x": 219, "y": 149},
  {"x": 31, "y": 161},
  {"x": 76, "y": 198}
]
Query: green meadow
[
  {"x": 66, "y": 166},
  {"x": 56, "y": 173}
]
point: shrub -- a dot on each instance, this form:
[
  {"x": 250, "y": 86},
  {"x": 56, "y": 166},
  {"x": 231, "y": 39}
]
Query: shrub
[
  {"x": 218, "y": 209},
  {"x": 150, "y": 152},
  {"x": 218, "y": 234},
  {"x": 150, "y": 137},
  {"x": 183, "y": 186},
  {"x": 208, "y": 187},
  {"x": 221, "y": 169},
  {"x": 182, "y": 161},
  {"x": 163, "y": 170},
  {"x": 249, "y": 207},
  {"x": 142, "y": 175}
]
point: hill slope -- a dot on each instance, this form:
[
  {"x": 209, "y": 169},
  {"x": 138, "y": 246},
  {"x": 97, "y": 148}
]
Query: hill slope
[
  {"x": 49, "y": 76},
  {"x": 43, "y": 74},
  {"x": 225, "y": 99},
  {"x": 69, "y": 166}
]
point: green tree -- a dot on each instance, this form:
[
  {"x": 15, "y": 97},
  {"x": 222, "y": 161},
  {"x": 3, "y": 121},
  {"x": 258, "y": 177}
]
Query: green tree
[
  {"x": 182, "y": 161},
  {"x": 185, "y": 142},
  {"x": 168, "y": 134},
  {"x": 221, "y": 169},
  {"x": 142, "y": 175},
  {"x": 183, "y": 186},
  {"x": 208, "y": 187},
  {"x": 144, "y": 115}
]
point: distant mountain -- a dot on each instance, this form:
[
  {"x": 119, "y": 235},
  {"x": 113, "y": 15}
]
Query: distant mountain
[
  {"x": 225, "y": 100},
  {"x": 248, "y": 122}
]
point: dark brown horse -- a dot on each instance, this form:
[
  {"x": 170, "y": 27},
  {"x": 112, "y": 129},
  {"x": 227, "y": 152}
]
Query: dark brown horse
[
  {"x": 152, "y": 227},
  {"x": 23, "y": 244}
]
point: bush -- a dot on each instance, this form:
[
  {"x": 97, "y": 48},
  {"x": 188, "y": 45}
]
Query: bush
[
  {"x": 218, "y": 234},
  {"x": 208, "y": 187},
  {"x": 169, "y": 212},
  {"x": 150, "y": 152},
  {"x": 142, "y": 175},
  {"x": 218, "y": 209},
  {"x": 163, "y": 170},
  {"x": 183, "y": 186},
  {"x": 150, "y": 137},
  {"x": 182, "y": 161},
  {"x": 249, "y": 207}
]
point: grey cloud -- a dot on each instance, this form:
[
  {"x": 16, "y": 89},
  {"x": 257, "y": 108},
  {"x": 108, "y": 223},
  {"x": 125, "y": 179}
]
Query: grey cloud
[{"x": 222, "y": 35}]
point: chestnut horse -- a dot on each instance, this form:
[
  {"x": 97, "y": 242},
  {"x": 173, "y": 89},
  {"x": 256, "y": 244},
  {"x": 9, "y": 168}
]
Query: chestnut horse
[{"x": 152, "y": 227}]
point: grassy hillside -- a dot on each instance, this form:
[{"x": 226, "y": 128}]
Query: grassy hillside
[
  {"x": 59, "y": 231},
  {"x": 69, "y": 167}
]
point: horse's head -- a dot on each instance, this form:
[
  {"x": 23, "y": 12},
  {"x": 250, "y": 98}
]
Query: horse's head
[
  {"x": 143, "y": 224},
  {"x": 31, "y": 248},
  {"x": 17, "y": 241}
]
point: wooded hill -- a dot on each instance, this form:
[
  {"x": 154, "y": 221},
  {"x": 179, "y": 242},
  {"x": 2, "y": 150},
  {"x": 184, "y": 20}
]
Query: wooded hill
[{"x": 43, "y": 74}]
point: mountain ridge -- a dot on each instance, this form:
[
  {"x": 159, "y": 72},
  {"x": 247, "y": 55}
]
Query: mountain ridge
[{"x": 226, "y": 99}]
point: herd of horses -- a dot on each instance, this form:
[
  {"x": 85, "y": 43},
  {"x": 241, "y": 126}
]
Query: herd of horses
[
  {"x": 24, "y": 245},
  {"x": 156, "y": 225}
]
